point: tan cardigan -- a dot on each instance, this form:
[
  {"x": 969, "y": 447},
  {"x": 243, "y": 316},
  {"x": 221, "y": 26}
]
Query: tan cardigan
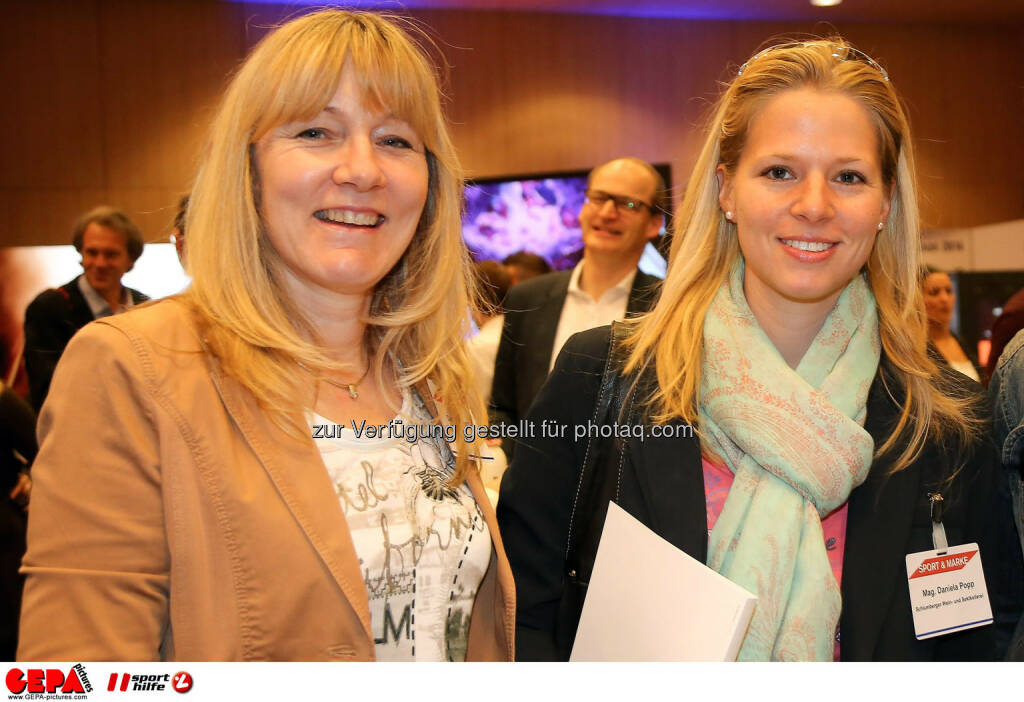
[{"x": 172, "y": 519}]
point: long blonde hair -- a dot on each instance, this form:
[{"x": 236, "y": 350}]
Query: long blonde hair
[
  {"x": 705, "y": 245},
  {"x": 419, "y": 311}
]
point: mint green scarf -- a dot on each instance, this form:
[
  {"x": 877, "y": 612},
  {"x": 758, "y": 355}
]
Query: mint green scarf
[{"x": 795, "y": 441}]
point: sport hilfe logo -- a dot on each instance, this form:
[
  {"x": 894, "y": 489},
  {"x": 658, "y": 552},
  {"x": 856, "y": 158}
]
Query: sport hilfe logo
[
  {"x": 179, "y": 682},
  {"x": 50, "y": 680},
  {"x": 139, "y": 682}
]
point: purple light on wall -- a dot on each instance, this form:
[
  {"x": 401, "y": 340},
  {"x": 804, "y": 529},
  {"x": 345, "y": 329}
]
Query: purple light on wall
[{"x": 662, "y": 9}]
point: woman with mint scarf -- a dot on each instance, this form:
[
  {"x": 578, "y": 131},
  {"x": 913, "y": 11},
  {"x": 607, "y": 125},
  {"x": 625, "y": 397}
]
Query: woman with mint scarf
[{"x": 791, "y": 334}]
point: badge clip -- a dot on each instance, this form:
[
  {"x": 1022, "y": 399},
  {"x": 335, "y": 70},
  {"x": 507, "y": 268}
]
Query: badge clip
[{"x": 936, "y": 508}]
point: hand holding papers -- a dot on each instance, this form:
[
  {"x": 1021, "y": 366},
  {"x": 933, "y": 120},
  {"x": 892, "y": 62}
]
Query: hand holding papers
[{"x": 649, "y": 601}]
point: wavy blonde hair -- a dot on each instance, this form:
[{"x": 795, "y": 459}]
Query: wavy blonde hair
[
  {"x": 705, "y": 246},
  {"x": 418, "y": 315}
]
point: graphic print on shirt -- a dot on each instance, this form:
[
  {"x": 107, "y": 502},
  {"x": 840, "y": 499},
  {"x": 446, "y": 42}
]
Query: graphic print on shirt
[{"x": 423, "y": 545}]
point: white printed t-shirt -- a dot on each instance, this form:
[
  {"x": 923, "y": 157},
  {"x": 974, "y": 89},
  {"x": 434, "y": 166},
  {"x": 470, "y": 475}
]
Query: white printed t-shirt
[{"x": 423, "y": 546}]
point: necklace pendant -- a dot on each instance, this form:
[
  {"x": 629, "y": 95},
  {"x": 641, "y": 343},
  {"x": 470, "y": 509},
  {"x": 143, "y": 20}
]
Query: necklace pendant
[{"x": 352, "y": 392}]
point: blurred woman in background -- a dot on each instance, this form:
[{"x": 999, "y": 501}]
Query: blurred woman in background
[{"x": 940, "y": 302}]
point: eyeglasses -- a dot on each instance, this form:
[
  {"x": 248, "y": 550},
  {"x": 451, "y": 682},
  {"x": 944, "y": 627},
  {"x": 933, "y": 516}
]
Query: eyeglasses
[{"x": 622, "y": 203}]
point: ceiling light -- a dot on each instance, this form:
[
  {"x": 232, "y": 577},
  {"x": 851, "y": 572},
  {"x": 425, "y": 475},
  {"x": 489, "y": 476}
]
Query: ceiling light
[{"x": 825, "y": 3}]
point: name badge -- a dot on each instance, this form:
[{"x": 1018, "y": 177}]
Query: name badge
[{"x": 947, "y": 591}]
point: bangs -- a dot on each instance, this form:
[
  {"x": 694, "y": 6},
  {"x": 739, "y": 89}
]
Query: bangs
[
  {"x": 302, "y": 70},
  {"x": 401, "y": 82}
]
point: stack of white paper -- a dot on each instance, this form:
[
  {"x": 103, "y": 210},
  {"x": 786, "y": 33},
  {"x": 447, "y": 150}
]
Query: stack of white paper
[{"x": 649, "y": 601}]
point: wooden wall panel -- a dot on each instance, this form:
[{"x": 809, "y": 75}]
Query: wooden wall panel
[
  {"x": 109, "y": 100},
  {"x": 581, "y": 90},
  {"x": 52, "y": 122},
  {"x": 165, "y": 65},
  {"x": 478, "y": 66},
  {"x": 965, "y": 95},
  {"x": 51, "y": 127}
]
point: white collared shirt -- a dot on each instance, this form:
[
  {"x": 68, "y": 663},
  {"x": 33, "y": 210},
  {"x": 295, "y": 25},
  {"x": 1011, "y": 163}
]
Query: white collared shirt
[
  {"x": 483, "y": 350},
  {"x": 581, "y": 312},
  {"x": 97, "y": 305}
]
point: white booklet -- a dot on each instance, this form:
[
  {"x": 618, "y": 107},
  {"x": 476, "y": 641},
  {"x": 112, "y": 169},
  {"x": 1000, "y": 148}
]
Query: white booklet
[{"x": 650, "y": 601}]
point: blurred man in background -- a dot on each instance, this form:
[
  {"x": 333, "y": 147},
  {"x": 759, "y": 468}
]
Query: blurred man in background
[{"x": 109, "y": 243}]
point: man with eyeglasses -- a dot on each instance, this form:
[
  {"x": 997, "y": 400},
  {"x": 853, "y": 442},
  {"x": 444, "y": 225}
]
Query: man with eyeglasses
[{"x": 621, "y": 213}]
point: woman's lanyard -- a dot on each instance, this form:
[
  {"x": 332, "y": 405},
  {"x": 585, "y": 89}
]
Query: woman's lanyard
[{"x": 939, "y": 542}]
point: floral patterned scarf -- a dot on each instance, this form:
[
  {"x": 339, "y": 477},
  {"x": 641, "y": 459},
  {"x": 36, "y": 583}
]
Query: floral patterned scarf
[{"x": 795, "y": 441}]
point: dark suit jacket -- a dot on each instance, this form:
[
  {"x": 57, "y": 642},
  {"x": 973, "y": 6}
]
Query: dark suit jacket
[
  {"x": 17, "y": 433},
  {"x": 50, "y": 321},
  {"x": 532, "y": 311},
  {"x": 661, "y": 483}
]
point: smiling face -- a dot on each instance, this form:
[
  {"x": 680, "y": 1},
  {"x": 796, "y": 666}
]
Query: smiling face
[
  {"x": 105, "y": 258},
  {"x": 807, "y": 196},
  {"x": 341, "y": 195},
  {"x": 939, "y": 298},
  {"x": 606, "y": 230}
]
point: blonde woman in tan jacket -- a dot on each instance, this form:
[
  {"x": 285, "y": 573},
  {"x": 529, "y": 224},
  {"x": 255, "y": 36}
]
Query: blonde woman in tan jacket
[{"x": 271, "y": 466}]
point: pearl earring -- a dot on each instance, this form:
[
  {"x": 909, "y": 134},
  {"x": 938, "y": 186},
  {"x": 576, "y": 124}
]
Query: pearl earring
[
  {"x": 881, "y": 226},
  {"x": 728, "y": 215}
]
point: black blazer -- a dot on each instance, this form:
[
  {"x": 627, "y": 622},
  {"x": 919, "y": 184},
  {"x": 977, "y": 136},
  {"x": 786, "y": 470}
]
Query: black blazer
[
  {"x": 50, "y": 321},
  {"x": 532, "y": 311},
  {"x": 17, "y": 433},
  {"x": 660, "y": 482}
]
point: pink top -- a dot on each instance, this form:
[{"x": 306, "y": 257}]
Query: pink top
[{"x": 717, "y": 481}]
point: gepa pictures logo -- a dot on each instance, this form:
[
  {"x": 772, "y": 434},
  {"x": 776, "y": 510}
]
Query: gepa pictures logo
[{"x": 49, "y": 680}]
